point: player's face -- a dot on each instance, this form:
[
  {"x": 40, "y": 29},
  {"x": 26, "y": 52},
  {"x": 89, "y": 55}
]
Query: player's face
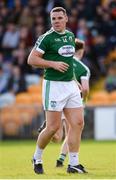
[{"x": 58, "y": 21}]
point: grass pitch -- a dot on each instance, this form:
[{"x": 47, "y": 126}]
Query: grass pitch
[{"x": 99, "y": 158}]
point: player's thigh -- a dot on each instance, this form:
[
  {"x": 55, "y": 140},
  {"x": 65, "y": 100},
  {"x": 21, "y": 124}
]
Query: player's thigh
[
  {"x": 74, "y": 116},
  {"x": 53, "y": 119}
]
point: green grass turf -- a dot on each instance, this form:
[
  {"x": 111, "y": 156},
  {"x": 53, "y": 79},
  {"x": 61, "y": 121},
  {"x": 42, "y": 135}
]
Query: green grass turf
[{"x": 98, "y": 157}]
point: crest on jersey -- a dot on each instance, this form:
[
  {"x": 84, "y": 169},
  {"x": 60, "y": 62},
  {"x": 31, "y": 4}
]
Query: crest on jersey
[
  {"x": 53, "y": 104},
  {"x": 67, "y": 51},
  {"x": 70, "y": 38}
]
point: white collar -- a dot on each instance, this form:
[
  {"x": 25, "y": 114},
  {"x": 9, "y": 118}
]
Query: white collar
[{"x": 59, "y": 32}]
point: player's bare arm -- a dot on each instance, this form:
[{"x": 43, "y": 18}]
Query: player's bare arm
[
  {"x": 79, "y": 43},
  {"x": 80, "y": 46},
  {"x": 85, "y": 88},
  {"x": 35, "y": 59}
]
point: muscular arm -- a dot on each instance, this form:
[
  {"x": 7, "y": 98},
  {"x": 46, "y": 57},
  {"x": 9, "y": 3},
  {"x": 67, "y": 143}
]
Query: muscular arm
[
  {"x": 85, "y": 88},
  {"x": 35, "y": 59},
  {"x": 80, "y": 46},
  {"x": 79, "y": 54}
]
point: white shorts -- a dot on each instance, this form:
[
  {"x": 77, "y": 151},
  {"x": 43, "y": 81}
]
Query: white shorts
[{"x": 57, "y": 95}]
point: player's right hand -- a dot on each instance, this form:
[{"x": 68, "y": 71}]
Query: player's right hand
[{"x": 60, "y": 66}]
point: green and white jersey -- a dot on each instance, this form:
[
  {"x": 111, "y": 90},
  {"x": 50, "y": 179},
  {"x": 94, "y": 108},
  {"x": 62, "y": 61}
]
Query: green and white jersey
[
  {"x": 81, "y": 71},
  {"x": 57, "y": 47}
]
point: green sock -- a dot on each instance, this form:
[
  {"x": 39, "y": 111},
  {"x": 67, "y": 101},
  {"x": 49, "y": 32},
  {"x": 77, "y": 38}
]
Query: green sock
[{"x": 62, "y": 157}]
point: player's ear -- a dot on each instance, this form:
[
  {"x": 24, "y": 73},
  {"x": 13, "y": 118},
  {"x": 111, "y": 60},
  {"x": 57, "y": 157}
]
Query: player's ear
[{"x": 66, "y": 18}]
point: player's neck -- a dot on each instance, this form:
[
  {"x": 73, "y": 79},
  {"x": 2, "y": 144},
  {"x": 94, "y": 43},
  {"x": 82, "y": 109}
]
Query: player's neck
[{"x": 62, "y": 32}]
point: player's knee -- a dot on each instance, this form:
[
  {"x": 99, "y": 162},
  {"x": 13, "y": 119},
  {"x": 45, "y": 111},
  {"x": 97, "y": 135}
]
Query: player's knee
[
  {"x": 53, "y": 128},
  {"x": 56, "y": 138},
  {"x": 80, "y": 123}
]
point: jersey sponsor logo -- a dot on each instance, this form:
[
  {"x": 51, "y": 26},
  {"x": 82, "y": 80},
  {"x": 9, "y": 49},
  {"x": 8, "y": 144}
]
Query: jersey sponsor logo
[{"x": 66, "y": 51}]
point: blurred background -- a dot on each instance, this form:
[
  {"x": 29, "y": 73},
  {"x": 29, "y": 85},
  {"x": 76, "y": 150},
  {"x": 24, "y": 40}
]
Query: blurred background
[{"x": 21, "y": 23}]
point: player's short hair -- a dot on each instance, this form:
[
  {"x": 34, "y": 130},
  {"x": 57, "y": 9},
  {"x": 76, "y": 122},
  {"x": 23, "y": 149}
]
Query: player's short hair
[{"x": 58, "y": 9}]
